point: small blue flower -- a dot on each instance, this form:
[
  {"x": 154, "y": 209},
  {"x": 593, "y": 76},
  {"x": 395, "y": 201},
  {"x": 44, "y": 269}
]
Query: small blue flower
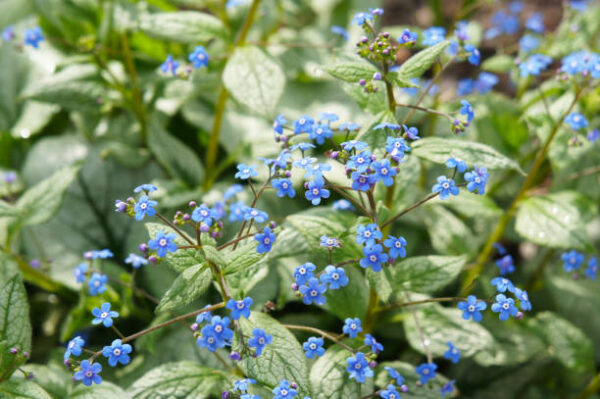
[
  {"x": 335, "y": 277},
  {"x": 136, "y": 261},
  {"x": 144, "y": 207},
  {"x": 474, "y": 54},
  {"x": 98, "y": 254},
  {"x": 283, "y": 187},
  {"x": 485, "y": 82},
  {"x": 593, "y": 135},
  {"x": 338, "y": 30},
  {"x": 523, "y": 298},
  {"x": 245, "y": 172},
  {"x": 396, "y": 147},
  {"x": 506, "y": 265},
  {"x": 460, "y": 165},
  {"x": 370, "y": 340},
  {"x": 204, "y": 317},
  {"x": 248, "y": 395},
  {"x": 389, "y": 393},
  {"x": 384, "y": 172},
  {"x": 535, "y": 22},
  {"x": 408, "y": 37},
  {"x": 284, "y": 391},
  {"x": 304, "y": 124},
  {"x": 88, "y": 373},
  {"x": 472, "y": 308},
  {"x": 342, "y": 205},
  {"x": 352, "y": 327},
  {"x": 265, "y": 240},
  {"x": 203, "y": 214},
  {"x": 80, "y": 271},
  {"x": 447, "y": 388},
  {"x": 452, "y": 354},
  {"x": 33, "y": 37},
  {"x": 502, "y": 284},
  {"x": 328, "y": 117},
  {"x": 477, "y": 179},
  {"x": 104, "y": 315},
  {"x": 412, "y": 133},
  {"x": 434, "y": 35},
  {"x": 354, "y": 145},
  {"x": 316, "y": 191},
  {"x": 397, "y": 246},
  {"x": 361, "y": 182},
  {"x": 358, "y": 367},
  {"x": 220, "y": 328},
  {"x": 210, "y": 340},
  {"x": 170, "y": 65},
  {"x": 313, "y": 292},
  {"x": 465, "y": 87},
  {"x": 232, "y": 191},
  {"x": 360, "y": 162},
  {"x": 278, "y": 124},
  {"x": 302, "y": 147},
  {"x": 199, "y": 57},
  {"x": 361, "y": 18},
  {"x": 500, "y": 248},
  {"x": 350, "y": 127},
  {"x": 572, "y": 260},
  {"x": 374, "y": 257},
  {"x": 533, "y": 65},
  {"x": 148, "y": 188},
  {"x": 316, "y": 171},
  {"x": 242, "y": 385},
  {"x": 259, "y": 340},
  {"x": 329, "y": 242},
  {"x": 387, "y": 125},
  {"x": 576, "y": 120},
  {"x": 304, "y": 272},
  {"x": 367, "y": 234},
  {"x": 395, "y": 375},
  {"x": 467, "y": 110},
  {"x": 529, "y": 43},
  {"x": 505, "y": 306},
  {"x": 592, "y": 269},
  {"x": 426, "y": 371},
  {"x": 237, "y": 211},
  {"x": 117, "y": 352},
  {"x": 163, "y": 243},
  {"x": 255, "y": 214},
  {"x": 8, "y": 33},
  {"x": 445, "y": 187},
  {"x": 74, "y": 347},
  {"x": 320, "y": 132},
  {"x": 313, "y": 347},
  {"x": 239, "y": 308},
  {"x": 97, "y": 283}
]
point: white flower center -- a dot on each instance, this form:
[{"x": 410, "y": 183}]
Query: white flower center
[
  {"x": 315, "y": 191},
  {"x": 314, "y": 293},
  {"x": 505, "y": 306},
  {"x": 312, "y": 346},
  {"x": 373, "y": 258},
  {"x": 117, "y": 352},
  {"x": 162, "y": 242},
  {"x": 267, "y": 240},
  {"x": 471, "y": 308},
  {"x": 103, "y": 315},
  {"x": 240, "y": 305}
]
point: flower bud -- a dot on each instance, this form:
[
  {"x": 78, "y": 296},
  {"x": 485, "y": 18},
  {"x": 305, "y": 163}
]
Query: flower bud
[
  {"x": 194, "y": 327},
  {"x": 225, "y": 395},
  {"x": 376, "y": 76},
  {"x": 204, "y": 228},
  {"x": 373, "y": 364},
  {"x": 235, "y": 356},
  {"x": 152, "y": 259},
  {"x": 293, "y": 385},
  {"x": 193, "y": 204},
  {"x": 143, "y": 247},
  {"x": 186, "y": 216},
  {"x": 272, "y": 224},
  {"x": 295, "y": 287},
  {"x": 362, "y": 82},
  {"x": 404, "y": 388},
  {"x": 14, "y": 350}
]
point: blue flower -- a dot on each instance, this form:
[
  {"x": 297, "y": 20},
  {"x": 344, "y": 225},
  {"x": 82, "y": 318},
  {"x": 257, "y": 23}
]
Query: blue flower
[
  {"x": 485, "y": 82},
  {"x": 502, "y": 284},
  {"x": 239, "y": 308},
  {"x": 396, "y": 147},
  {"x": 408, "y": 37},
  {"x": 505, "y": 306},
  {"x": 304, "y": 124},
  {"x": 592, "y": 269},
  {"x": 203, "y": 214},
  {"x": 79, "y": 272},
  {"x": 256, "y": 214},
  {"x": 313, "y": 347},
  {"x": 593, "y": 134},
  {"x": 412, "y": 133},
  {"x": 474, "y": 54},
  {"x": 320, "y": 132},
  {"x": 237, "y": 211},
  {"x": 232, "y": 191},
  {"x": 163, "y": 243},
  {"x": 148, "y": 188},
  {"x": 329, "y": 242},
  {"x": 460, "y": 165},
  {"x": 33, "y": 37},
  {"x": 535, "y": 64},
  {"x": 374, "y": 257},
  {"x": 465, "y": 87},
  {"x": 361, "y": 18},
  {"x": 210, "y": 340},
  {"x": 304, "y": 163},
  {"x": 434, "y": 35},
  {"x": 8, "y": 33},
  {"x": 361, "y": 182},
  {"x": 245, "y": 172},
  {"x": 117, "y": 352},
  {"x": 328, "y": 117},
  {"x": 338, "y": 30},
  {"x": 98, "y": 254},
  {"x": 452, "y": 354},
  {"x": 523, "y": 298},
  {"x": 284, "y": 391},
  {"x": 265, "y": 240},
  {"x": 313, "y": 292},
  {"x": 472, "y": 308},
  {"x": 354, "y": 145},
  {"x": 259, "y": 340},
  {"x": 506, "y": 265},
  {"x": 220, "y": 328},
  {"x": 387, "y": 125},
  {"x": 88, "y": 373},
  {"x": 278, "y": 124},
  {"x": 316, "y": 171},
  {"x": 572, "y": 260},
  {"x": 576, "y": 120},
  {"x": 370, "y": 340},
  {"x": 426, "y": 371},
  {"x": 367, "y": 234},
  {"x": 384, "y": 172},
  {"x": 144, "y": 207},
  {"x": 467, "y": 110},
  {"x": 97, "y": 283},
  {"x": 104, "y": 315},
  {"x": 170, "y": 65},
  {"x": 500, "y": 248},
  {"x": 136, "y": 261},
  {"x": 242, "y": 385},
  {"x": 535, "y": 22},
  {"x": 199, "y": 57},
  {"x": 579, "y": 5},
  {"x": 529, "y": 43},
  {"x": 342, "y": 205},
  {"x": 389, "y": 393},
  {"x": 360, "y": 162},
  {"x": 358, "y": 367},
  {"x": 283, "y": 187},
  {"x": 352, "y": 327},
  {"x": 477, "y": 179},
  {"x": 397, "y": 246},
  {"x": 74, "y": 347},
  {"x": 247, "y": 395},
  {"x": 204, "y": 317},
  {"x": 445, "y": 187},
  {"x": 447, "y": 388},
  {"x": 304, "y": 272},
  {"x": 350, "y": 127},
  {"x": 335, "y": 277},
  {"x": 316, "y": 191},
  {"x": 395, "y": 375}
]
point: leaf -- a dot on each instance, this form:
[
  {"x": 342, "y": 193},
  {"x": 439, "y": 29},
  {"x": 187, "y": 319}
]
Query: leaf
[
  {"x": 455, "y": 240},
  {"x": 282, "y": 359},
  {"x": 54, "y": 379},
  {"x": 188, "y": 286},
  {"x": 71, "y": 88},
  {"x": 19, "y": 389},
  {"x": 500, "y": 63},
  {"x": 416, "y": 65},
  {"x": 351, "y": 71},
  {"x": 243, "y": 257},
  {"x": 213, "y": 255},
  {"x": 183, "y": 26},
  {"x": 177, "y": 158},
  {"x": 555, "y": 220},
  {"x": 401, "y": 81},
  {"x": 15, "y": 328},
  {"x": 438, "y": 150},
  {"x": 8, "y": 210},
  {"x": 351, "y": 300},
  {"x": 254, "y": 79},
  {"x": 102, "y": 391},
  {"x": 330, "y": 380},
  {"x": 179, "y": 380}
]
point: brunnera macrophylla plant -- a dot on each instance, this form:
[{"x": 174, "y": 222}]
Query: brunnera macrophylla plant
[{"x": 384, "y": 312}]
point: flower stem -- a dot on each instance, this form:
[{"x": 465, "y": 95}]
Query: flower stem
[{"x": 324, "y": 334}]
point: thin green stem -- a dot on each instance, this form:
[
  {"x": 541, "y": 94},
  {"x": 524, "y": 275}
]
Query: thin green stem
[
  {"x": 410, "y": 208},
  {"x": 324, "y": 334}
]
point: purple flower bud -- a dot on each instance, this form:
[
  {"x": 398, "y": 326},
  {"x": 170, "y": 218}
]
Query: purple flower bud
[
  {"x": 131, "y": 200},
  {"x": 371, "y": 48},
  {"x": 372, "y": 364},
  {"x": 375, "y": 89},
  {"x": 193, "y": 204},
  {"x": 214, "y": 234},
  {"x": 14, "y": 350},
  {"x": 272, "y": 224},
  {"x": 143, "y": 247},
  {"x": 386, "y": 51},
  {"x": 295, "y": 287},
  {"x": 30, "y": 376},
  {"x": 376, "y": 76},
  {"x": 386, "y": 34},
  {"x": 26, "y": 355},
  {"x": 120, "y": 206},
  {"x": 186, "y": 216},
  {"x": 404, "y": 388},
  {"x": 194, "y": 327},
  {"x": 380, "y": 44},
  {"x": 220, "y": 224},
  {"x": 362, "y": 82},
  {"x": 225, "y": 395},
  {"x": 288, "y": 173},
  {"x": 34, "y": 263},
  {"x": 152, "y": 259},
  {"x": 235, "y": 356},
  {"x": 293, "y": 385},
  {"x": 520, "y": 315},
  {"x": 67, "y": 363},
  {"x": 334, "y": 154},
  {"x": 178, "y": 214},
  {"x": 306, "y": 185},
  {"x": 204, "y": 228}
]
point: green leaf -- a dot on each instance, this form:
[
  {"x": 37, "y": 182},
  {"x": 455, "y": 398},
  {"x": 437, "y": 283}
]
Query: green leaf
[
  {"x": 102, "y": 391},
  {"x": 555, "y": 220},
  {"x": 213, "y": 255},
  {"x": 351, "y": 300},
  {"x": 183, "y": 26},
  {"x": 401, "y": 81},
  {"x": 282, "y": 359},
  {"x": 39, "y": 203},
  {"x": 254, "y": 79},
  {"x": 188, "y": 286},
  {"x": 243, "y": 257},
  {"x": 330, "y": 380},
  {"x": 8, "y": 210},
  {"x": 419, "y": 63},
  {"x": 176, "y": 157},
  {"x": 438, "y": 150},
  {"x": 19, "y": 389},
  {"x": 500, "y": 63},
  {"x": 54, "y": 379},
  {"x": 457, "y": 240},
  {"x": 351, "y": 71},
  {"x": 179, "y": 380},
  {"x": 15, "y": 328}
]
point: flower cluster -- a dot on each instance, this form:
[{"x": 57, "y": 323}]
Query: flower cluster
[{"x": 573, "y": 260}]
